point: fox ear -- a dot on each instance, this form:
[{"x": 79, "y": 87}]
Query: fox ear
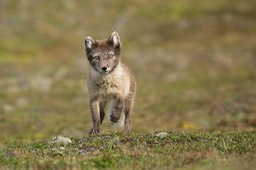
[
  {"x": 89, "y": 43},
  {"x": 114, "y": 40}
]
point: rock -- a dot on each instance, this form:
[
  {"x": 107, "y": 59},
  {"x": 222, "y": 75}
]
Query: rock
[
  {"x": 61, "y": 140},
  {"x": 162, "y": 134}
]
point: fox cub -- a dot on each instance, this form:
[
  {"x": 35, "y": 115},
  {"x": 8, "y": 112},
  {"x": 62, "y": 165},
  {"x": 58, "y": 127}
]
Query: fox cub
[{"x": 109, "y": 81}]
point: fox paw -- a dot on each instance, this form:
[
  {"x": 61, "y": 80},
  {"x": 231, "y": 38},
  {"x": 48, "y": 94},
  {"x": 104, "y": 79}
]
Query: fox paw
[
  {"x": 94, "y": 132},
  {"x": 114, "y": 118},
  {"x": 127, "y": 128}
]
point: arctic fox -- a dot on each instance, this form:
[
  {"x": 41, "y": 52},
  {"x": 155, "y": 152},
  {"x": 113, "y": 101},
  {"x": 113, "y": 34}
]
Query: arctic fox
[{"x": 109, "y": 80}]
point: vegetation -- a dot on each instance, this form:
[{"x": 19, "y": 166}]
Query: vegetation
[
  {"x": 194, "y": 62},
  {"x": 135, "y": 151}
]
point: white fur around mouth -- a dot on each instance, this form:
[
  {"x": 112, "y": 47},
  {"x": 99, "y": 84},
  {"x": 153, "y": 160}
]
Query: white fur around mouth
[{"x": 104, "y": 72}]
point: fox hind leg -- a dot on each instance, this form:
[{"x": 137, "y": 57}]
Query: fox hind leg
[
  {"x": 128, "y": 103},
  {"x": 127, "y": 122}
]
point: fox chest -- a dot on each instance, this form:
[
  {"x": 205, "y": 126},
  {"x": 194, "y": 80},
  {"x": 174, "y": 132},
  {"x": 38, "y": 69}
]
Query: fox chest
[{"x": 106, "y": 88}]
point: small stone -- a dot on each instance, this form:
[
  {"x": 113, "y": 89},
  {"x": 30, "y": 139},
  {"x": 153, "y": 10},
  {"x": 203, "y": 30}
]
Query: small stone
[
  {"x": 162, "y": 134},
  {"x": 61, "y": 140},
  {"x": 62, "y": 148}
]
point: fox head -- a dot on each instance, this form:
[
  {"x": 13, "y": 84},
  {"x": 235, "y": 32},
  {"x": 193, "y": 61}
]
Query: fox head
[{"x": 103, "y": 55}]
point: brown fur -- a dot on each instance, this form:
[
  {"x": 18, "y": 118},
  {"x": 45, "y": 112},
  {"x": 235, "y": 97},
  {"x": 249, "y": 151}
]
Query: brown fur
[{"x": 109, "y": 80}]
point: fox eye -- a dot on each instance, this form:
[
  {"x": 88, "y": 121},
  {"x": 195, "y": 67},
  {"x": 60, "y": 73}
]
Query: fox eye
[
  {"x": 96, "y": 57},
  {"x": 110, "y": 56}
]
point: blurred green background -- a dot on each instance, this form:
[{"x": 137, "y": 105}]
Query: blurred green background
[{"x": 194, "y": 61}]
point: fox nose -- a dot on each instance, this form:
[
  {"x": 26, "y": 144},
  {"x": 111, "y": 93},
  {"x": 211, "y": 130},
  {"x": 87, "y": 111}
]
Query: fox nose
[{"x": 104, "y": 68}]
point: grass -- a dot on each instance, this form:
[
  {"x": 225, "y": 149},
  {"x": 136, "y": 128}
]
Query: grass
[
  {"x": 136, "y": 151},
  {"x": 194, "y": 63}
]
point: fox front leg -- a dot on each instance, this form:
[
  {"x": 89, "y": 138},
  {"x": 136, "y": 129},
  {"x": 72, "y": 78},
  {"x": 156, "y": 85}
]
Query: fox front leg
[
  {"x": 117, "y": 110},
  {"x": 102, "y": 110},
  {"x": 95, "y": 110}
]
